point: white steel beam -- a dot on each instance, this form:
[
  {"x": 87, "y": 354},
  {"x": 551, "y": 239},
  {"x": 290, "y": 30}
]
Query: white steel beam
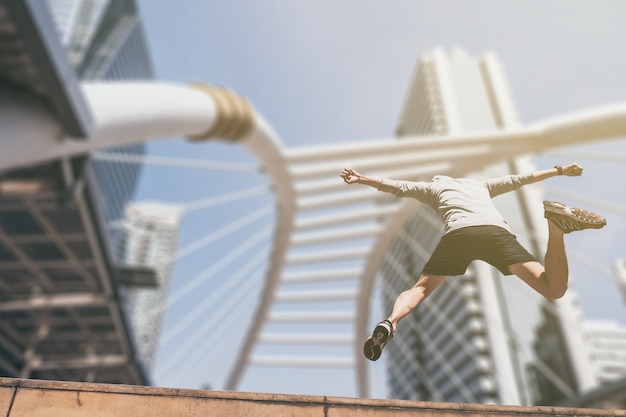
[
  {"x": 54, "y": 301},
  {"x": 89, "y": 361},
  {"x": 174, "y": 162},
  {"x": 321, "y": 275},
  {"x": 401, "y": 160},
  {"x": 312, "y": 317},
  {"x": 345, "y": 218},
  {"x": 129, "y": 112},
  {"x": 320, "y": 295},
  {"x": 579, "y": 127},
  {"x": 418, "y": 171},
  {"x": 336, "y": 235},
  {"x": 303, "y": 361},
  {"x": 339, "y": 199},
  {"x": 306, "y": 339},
  {"x": 327, "y": 256}
]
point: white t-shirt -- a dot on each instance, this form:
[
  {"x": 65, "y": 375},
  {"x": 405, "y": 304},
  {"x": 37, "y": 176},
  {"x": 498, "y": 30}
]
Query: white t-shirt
[{"x": 459, "y": 202}]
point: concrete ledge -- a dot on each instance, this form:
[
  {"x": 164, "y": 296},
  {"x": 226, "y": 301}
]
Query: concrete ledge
[{"x": 34, "y": 398}]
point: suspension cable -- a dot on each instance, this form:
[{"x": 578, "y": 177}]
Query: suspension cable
[
  {"x": 181, "y": 292},
  {"x": 226, "y": 198},
  {"x": 216, "y": 295},
  {"x": 175, "y": 162},
  {"x": 218, "y": 322},
  {"x": 223, "y": 232}
]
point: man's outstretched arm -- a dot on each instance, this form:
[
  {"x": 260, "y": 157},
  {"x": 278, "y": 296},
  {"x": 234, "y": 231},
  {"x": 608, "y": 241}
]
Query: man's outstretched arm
[
  {"x": 571, "y": 170},
  {"x": 351, "y": 176}
]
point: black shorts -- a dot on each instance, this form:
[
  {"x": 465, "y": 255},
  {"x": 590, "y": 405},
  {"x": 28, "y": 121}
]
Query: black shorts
[{"x": 491, "y": 244}]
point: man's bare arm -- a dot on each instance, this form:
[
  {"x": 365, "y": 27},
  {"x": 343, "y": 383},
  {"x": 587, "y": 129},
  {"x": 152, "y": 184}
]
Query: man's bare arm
[
  {"x": 571, "y": 170},
  {"x": 351, "y": 176}
]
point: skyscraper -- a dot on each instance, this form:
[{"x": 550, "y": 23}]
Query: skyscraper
[
  {"x": 66, "y": 202},
  {"x": 150, "y": 239},
  {"x": 606, "y": 341},
  {"x": 480, "y": 337},
  {"x": 105, "y": 41}
]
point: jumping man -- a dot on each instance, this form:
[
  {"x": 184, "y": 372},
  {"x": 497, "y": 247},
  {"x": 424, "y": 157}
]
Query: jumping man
[{"x": 474, "y": 229}]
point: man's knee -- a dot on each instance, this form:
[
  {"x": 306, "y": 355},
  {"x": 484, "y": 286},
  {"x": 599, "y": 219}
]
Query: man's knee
[
  {"x": 557, "y": 293},
  {"x": 428, "y": 283},
  {"x": 554, "y": 293}
]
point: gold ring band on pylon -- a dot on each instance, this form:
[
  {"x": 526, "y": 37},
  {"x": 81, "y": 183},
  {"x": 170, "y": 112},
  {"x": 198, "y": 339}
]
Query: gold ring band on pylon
[{"x": 235, "y": 117}]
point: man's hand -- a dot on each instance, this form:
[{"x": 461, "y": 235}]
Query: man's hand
[
  {"x": 350, "y": 176},
  {"x": 573, "y": 170}
]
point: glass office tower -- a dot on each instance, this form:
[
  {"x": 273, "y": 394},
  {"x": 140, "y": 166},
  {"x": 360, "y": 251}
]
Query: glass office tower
[
  {"x": 105, "y": 41},
  {"x": 481, "y": 337},
  {"x": 56, "y": 242}
]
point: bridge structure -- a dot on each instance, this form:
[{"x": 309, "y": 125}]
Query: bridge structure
[
  {"x": 328, "y": 240},
  {"x": 308, "y": 235}
]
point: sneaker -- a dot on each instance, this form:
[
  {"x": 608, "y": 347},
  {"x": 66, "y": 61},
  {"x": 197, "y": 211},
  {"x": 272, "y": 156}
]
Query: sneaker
[
  {"x": 382, "y": 334},
  {"x": 570, "y": 219}
]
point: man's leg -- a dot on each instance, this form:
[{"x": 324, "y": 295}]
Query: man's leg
[
  {"x": 408, "y": 300},
  {"x": 550, "y": 280}
]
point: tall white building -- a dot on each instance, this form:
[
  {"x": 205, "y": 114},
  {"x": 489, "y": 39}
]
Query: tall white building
[
  {"x": 482, "y": 337},
  {"x": 150, "y": 240},
  {"x": 606, "y": 344}
]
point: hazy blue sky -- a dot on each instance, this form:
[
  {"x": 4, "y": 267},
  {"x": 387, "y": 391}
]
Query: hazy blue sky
[{"x": 326, "y": 71}]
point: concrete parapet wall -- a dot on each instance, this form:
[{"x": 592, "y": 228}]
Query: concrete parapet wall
[{"x": 33, "y": 398}]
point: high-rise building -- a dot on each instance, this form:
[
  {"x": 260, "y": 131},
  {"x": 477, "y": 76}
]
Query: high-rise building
[
  {"x": 606, "y": 344},
  {"x": 67, "y": 322},
  {"x": 481, "y": 337},
  {"x": 105, "y": 41},
  {"x": 150, "y": 240}
]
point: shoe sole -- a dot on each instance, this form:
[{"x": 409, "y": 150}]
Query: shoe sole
[
  {"x": 588, "y": 219},
  {"x": 373, "y": 347},
  {"x": 372, "y": 350}
]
